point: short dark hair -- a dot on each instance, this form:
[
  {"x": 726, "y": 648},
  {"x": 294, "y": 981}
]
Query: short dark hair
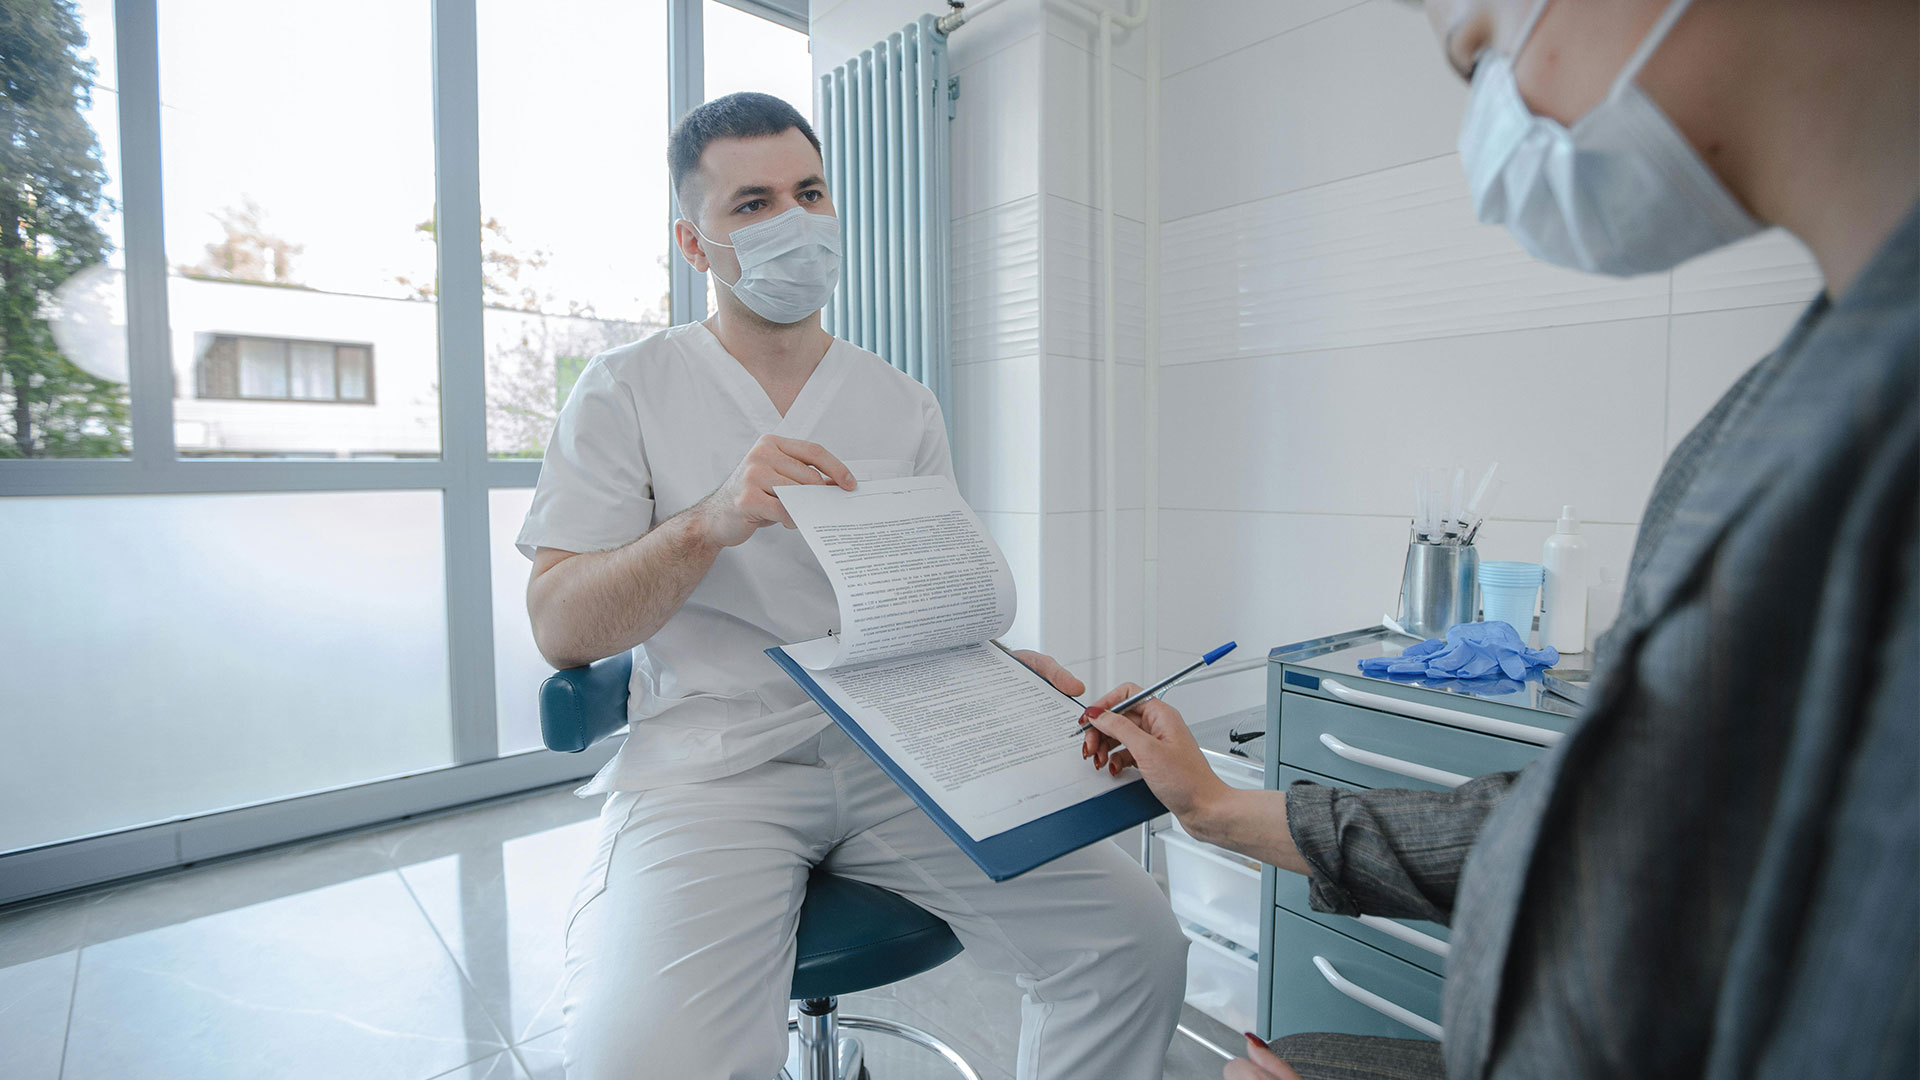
[{"x": 744, "y": 115}]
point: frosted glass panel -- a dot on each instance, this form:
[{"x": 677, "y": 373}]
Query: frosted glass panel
[
  {"x": 518, "y": 669},
  {"x": 172, "y": 655}
]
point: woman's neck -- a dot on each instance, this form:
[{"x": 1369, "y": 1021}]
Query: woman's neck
[{"x": 1827, "y": 124}]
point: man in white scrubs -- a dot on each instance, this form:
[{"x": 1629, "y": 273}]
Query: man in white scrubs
[{"x": 655, "y": 528}]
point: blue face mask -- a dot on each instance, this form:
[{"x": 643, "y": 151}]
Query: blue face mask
[{"x": 1621, "y": 192}]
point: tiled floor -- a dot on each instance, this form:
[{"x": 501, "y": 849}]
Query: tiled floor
[{"x": 426, "y": 949}]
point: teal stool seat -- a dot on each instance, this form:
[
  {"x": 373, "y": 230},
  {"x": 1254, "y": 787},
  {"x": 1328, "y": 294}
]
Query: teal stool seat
[{"x": 853, "y": 936}]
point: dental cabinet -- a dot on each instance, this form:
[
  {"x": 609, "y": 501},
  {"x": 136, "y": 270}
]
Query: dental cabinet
[{"x": 1326, "y": 722}]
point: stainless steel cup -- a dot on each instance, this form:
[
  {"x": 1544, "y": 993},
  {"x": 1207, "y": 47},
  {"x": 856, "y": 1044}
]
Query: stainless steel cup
[{"x": 1440, "y": 587}]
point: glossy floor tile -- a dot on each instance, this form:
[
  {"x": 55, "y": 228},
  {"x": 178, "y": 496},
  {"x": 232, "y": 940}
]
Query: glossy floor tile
[{"x": 427, "y": 949}]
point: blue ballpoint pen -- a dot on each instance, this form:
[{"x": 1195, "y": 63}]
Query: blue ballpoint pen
[{"x": 1128, "y": 703}]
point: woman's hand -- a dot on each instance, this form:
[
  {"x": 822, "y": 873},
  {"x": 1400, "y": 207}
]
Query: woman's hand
[
  {"x": 1260, "y": 1064},
  {"x": 1157, "y": 742}
]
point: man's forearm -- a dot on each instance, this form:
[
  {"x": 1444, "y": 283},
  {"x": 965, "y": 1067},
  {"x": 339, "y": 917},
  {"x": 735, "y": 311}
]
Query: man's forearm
[{"x": 596, "y": 604}]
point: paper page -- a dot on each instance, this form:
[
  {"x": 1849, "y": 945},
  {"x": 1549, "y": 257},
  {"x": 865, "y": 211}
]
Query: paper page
[
  {"x": 993, "y": 743},
  {"x": 912, "y": 567}
]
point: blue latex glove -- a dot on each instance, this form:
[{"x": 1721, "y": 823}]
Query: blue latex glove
[{"x": 1471, "y": 651}]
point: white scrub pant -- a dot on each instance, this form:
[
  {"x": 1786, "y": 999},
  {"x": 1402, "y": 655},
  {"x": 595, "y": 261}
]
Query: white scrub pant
[{"x": 680, "y": 946}]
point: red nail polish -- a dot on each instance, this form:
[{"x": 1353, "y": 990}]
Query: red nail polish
[
  {"x": 1251, "y": 1037},
  {"x": 1092, "y": 711}
]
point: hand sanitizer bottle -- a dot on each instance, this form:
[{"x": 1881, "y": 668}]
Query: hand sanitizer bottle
[{"x": 1563, "y": 615}]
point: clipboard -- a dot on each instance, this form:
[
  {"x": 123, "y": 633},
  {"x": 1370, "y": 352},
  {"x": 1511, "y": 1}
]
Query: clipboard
[{"x": 1019, "y": 849}]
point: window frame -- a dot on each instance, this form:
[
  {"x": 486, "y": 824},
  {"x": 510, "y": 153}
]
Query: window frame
[{"x": 464, "y": 472}]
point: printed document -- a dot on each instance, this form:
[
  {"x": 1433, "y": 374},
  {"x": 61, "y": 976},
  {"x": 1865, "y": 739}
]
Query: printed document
[{"x": 922, "y": 590}]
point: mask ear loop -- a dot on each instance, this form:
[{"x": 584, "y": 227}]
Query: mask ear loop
[
  {"x": 713, "y": 243},
  {"x": 1526, "y": 28},
  {"x": 1656, "y": 34}
]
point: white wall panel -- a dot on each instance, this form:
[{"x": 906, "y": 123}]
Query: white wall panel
[
  {"x": 996, "y": 283},
  {"x": 1394, "y": 255},
  {"x": 1074, "y": 285},
  {"x": 1360, "y": 90},
  {"x": 1573, "y": 414},
  {"x": 1196, "y": 31},
  {"x": 1771, "y": 268},
  {"x": 997, "y": 405}
]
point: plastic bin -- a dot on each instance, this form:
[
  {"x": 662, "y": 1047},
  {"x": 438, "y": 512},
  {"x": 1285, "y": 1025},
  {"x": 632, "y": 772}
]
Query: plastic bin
[
  {"x": 1222, "y": 981},
  {"x": 1213, "y": 888}
]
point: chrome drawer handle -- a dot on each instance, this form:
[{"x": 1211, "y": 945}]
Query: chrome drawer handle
[
  {"x": 1417, "y": 938},
  {"x": 1412, "y": 769},
  {"x": 1375, "y": 1002},
  {"x": 1506, "y": 729}
]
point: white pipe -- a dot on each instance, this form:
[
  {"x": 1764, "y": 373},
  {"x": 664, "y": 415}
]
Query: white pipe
[
  {"x": 961, "y": 16},
  {"x": 1150, "y": 377},
  {"x": 1109, "y": 389},
  {"x": 1110, "y": 359}
]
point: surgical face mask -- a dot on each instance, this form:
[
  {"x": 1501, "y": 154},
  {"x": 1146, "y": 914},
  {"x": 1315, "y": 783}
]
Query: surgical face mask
[
  {"x": 1621, "y": 192},
  {"x": 789, "y": 264}
]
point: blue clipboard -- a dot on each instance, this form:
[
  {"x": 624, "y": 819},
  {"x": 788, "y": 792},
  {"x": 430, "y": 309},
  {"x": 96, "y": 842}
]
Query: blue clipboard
[{"x": 1018, "y": 850}]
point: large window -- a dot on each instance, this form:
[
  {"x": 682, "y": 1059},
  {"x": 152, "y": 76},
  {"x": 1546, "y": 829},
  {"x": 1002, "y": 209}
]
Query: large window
[
  {"x": 572, "y": 179},
  {"x": 300, "y": 213},
  {"x": 306, "y": 327}
]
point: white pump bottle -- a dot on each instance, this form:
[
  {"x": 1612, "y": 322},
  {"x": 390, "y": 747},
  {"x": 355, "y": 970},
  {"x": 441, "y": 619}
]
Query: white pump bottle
[{"x": 1563, "y": 614}]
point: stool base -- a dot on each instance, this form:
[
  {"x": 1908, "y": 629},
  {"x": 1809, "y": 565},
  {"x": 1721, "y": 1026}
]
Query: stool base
[{"x": 824, "y": 1055}]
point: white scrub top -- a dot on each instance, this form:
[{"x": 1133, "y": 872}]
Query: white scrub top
[{"x": 652, "y": 428}]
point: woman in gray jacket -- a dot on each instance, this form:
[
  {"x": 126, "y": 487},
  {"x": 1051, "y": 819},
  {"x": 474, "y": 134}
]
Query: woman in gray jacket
[{"x": 1712, "y": 876}]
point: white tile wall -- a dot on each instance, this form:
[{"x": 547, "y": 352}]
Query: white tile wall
[
  {"x": 996, "y": 404},
  {"x": 1018, "y": 537},
  {"x": 1129, "y": 46},
  {"x": 996, "y": 129},
  {"x": 1073, "y": 435},
  {"x": 1073, "y": 584},
  {"x": 1574, "y": 414},
  {"x": 1075, "y": 287},
  {"x": 1263, "y": 579},
  {"x": 1092, "y": 670},
  {"x": 996, "y": 282},
  {"x": 986, "y": 34},
  {"x": 1359, "y": 90},
  {"x": 1772, "y": 268},
  {"x": 1395, "y": 255},
  {"x": 1070, "y": 131},
  {"x": 1194, "y": 33}
]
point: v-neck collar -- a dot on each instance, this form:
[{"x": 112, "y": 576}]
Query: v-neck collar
[{"x": 752, "y": 398}]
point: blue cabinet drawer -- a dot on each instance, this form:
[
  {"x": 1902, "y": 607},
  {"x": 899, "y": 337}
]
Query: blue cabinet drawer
[
  {"x": 1326, "y": 981},
  {"x": 1413, "y": 940},
  {"x": 1370, "y": 748}
]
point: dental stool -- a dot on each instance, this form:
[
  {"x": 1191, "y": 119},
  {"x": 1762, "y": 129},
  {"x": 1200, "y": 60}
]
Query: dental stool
[{"x": 853, "y": 936}]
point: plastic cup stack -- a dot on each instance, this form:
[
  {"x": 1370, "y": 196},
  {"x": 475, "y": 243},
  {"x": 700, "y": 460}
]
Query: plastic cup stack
[{"x": 1509, "y": 591}]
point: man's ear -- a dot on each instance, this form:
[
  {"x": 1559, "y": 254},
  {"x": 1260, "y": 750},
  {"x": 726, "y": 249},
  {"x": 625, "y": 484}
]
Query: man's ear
[{"x": 688, "y": 241}]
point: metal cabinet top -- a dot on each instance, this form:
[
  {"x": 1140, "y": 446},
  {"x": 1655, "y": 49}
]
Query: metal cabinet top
[{"x": 1308, "y": 666}]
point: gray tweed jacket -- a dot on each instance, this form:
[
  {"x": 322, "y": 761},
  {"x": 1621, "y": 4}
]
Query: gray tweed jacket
[{"x": 1718, "y": 873}]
